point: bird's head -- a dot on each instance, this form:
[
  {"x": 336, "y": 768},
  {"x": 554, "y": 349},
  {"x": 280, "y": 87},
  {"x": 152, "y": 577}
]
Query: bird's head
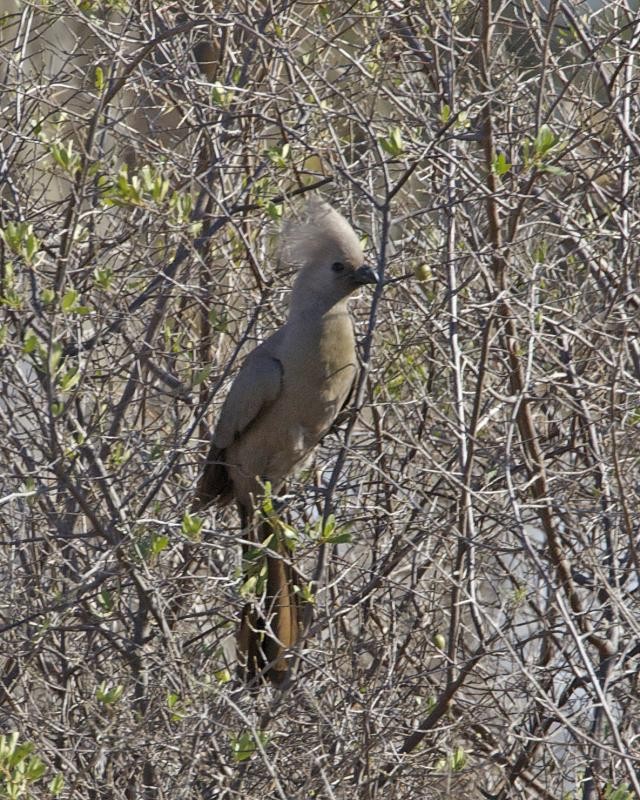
[{"x": 328, "y": 254}]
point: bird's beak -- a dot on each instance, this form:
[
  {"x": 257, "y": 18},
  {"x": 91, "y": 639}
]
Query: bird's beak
[{"x": 365, "y": 274}]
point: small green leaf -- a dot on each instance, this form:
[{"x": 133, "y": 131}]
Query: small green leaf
[
  {"x": 19, "y": 238},
  {"x": 68, "y": 300},
  {"x": 279, "y": 155},
  {"x": 56, "y": 786},
  {"x": 201, "y": 375},
  {"x": 275, "y": 211},
  {"x": 544, "y": 141},
  {"x": 331, "y": 535},
  {"x": 99, "y": 79},
  {"x": 191, "y": 526},
  {"x": 267, "y": 501},
  {"x": 458, "y": 759},
  {"x": 222, "y": 676},
  {"x": 329, "y": 526},
  {"x": 105, "y": 599},
  {"x": 35, "y": 769},
  {"x": 221, "y": 95},
  {"x": 306, "y": 593},
  {"x": 393, "y": 143},
  {"x": 244, "y": 745},
  {"x": 30, "y": 342},
  {"x": 103, "y": 277},
  {"x": 54, "y": 358},
  {"x": 158, "y": 544},
  {"x": 500, "y": 164},
  {"x": 552, "y": 169},
  {"x": 109, "y": 695}
]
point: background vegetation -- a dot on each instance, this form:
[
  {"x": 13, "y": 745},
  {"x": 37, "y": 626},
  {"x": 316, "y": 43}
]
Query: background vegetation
[{"x": 476, "y": 616}]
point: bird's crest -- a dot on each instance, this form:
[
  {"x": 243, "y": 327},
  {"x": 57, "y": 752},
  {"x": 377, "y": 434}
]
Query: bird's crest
[{"x": 319, "y": 229}]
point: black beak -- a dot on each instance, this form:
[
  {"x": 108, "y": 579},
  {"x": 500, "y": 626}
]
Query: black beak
[{"x": 365, "y": 274}]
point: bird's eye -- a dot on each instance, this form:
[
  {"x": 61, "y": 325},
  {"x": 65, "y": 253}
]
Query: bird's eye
[{"x": 337, "y": 266}]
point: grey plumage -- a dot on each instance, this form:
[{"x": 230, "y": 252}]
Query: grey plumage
[{"x": 285, "y": 397}]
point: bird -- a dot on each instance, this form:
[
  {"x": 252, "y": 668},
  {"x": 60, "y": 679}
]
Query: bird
[{"x": 284, "y": 399}]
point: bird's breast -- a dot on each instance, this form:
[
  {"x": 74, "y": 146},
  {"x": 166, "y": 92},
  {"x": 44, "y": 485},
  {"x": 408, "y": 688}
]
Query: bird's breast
[{"x": 320, "y": 372}]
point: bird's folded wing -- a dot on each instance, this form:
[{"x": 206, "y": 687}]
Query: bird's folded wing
[{"x": 255, "y": 388}]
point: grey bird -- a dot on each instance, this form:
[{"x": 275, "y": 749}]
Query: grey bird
[{"x": 284, "y": 399}]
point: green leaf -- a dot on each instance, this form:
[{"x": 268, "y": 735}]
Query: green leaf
[
  {"x": 279, "y": 155},
  {"x": 20, "y": 753},
  {"x": 275, "y": 211},
  {"x": 54, "y": 358},
  {"x": 9, "y": 274},
  {"x": 64, "y": 156},
  {"x": 551, "y": 169},
  {"x": 35, "y": 769},
  {"x": 621, "y": 792},
  {"x": 393, "y": 143},
  {"x": 201, "y": 375},
  {"x": 8, "y": 744},
  {"x": 98, "y": 77},
  {"x": 109, "y": 695},
  {"x": 249, "y": 586},
  {"x": 30, "y": 342},
  {"x": 329, "y": 526},
  {"x": 462, "y": 121},
  {"x": 68, "y": 300},
  {"x": 177, "y": 706},
  {"x": 19, "y": 238},
  {"x": 105, "y": 599},
  {"x": 221, "y": 95},
  {"x": 56, "y": 786},
  {"x": 47, "y": 296},
  {"x": 540, "y": 252},
  {"x": 103, "y": 277},
  {"x": 458, "y": 759},
  {"x": 244, "y": 745},
  {"x": 288, "y": 535},
  {"x": 267, "y": 501},
  {"x": 158, "y": 544},
  {"x": 191, "y": 526},
  {"x": 331, "y": 535},
  {"x": 222, "y": 676},
  {"x": 544, "y": 141},
  {"x": 343, "y": 537},
  {"x": 500, "y": 164},
  {"x": 306, "y": 593}
]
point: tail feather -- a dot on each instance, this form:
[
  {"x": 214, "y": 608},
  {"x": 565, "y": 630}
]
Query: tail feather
[{"x": 269, "y": 629}]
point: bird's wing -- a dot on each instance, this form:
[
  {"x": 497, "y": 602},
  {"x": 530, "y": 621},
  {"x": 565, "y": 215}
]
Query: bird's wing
[
  {"x": 345, "y": 409},
  {"x": 255, "y": 388}
]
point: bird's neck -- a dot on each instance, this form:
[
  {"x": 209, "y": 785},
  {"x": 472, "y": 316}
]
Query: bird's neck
[{"x": 316, "y": 308}]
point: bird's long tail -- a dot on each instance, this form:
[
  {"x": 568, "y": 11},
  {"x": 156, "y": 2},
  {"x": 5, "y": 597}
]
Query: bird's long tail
[{"x": 269, "y": 626}]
